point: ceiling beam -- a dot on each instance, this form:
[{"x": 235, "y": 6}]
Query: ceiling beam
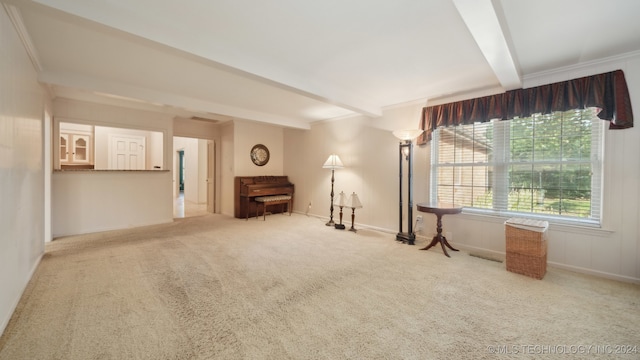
[
  {"x": 482, "y": 20},
  {"x": 159, "y": 98},
  {"x": 112, "y": 16}
]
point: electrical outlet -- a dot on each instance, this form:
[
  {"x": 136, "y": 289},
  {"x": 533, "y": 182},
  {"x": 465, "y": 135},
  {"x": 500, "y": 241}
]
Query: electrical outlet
[{"x": 419, "y": 223}]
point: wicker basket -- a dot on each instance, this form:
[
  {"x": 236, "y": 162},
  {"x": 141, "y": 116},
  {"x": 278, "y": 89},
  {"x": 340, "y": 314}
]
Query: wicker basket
[{"x": 526, "y": 251}]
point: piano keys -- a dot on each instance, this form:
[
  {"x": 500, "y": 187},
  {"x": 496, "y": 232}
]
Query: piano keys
[{"x": 248, "y": 187}]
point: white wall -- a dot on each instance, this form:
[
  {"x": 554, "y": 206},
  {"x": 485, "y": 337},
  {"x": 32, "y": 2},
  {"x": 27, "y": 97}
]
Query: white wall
[
  {"x": 90, "y": 201},
  {"x": 48, "y": 168},
  {"x": 237, "y": 139},
  {"x": 370, "y": 154},
  {"x": 246, "y": 135},
  {"x": 156, "y": 144},
  {"x": 22, "y": 188},
  {"x": 370, "y": 157},
  {"x": 227, "y": 168}
]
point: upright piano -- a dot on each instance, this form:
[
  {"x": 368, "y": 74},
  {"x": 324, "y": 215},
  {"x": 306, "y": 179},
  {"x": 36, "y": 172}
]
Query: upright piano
[{"x": 249, "y": 187}]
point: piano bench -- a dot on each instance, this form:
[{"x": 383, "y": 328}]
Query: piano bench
[{"x": 273, "y": 200}]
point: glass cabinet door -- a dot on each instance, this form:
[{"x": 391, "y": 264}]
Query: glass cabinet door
[
  {"x": 80, "y": 148},
  {"x": 64, "y": 147},
  {"x": 75, "y": 149}
]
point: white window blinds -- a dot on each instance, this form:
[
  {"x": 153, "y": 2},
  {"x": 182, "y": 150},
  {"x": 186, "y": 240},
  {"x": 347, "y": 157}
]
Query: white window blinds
[{"x": 543, "y": 164}]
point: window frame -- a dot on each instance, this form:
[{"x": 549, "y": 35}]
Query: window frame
[{"x": 500, "y": 179}]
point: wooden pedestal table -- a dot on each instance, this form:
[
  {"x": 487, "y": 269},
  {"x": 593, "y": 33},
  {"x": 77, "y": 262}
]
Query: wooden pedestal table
[{"x": 439, "y": 210}]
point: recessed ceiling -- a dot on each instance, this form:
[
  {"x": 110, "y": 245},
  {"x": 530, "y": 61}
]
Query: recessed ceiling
[{"x": 292, "y": 62}]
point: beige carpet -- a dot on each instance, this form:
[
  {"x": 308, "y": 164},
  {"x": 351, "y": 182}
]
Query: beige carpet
[{"x": 214, "y": 287}]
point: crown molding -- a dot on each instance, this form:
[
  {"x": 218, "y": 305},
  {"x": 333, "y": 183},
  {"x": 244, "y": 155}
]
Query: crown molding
[
  {"x": 588, "y": 66},
  {"x": 16, "y": 19}
]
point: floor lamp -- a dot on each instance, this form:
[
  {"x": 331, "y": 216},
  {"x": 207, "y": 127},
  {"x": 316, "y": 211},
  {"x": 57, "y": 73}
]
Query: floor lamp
[
  {"x": 333, "y": 163},
  {"x": 406, "y": 151}
]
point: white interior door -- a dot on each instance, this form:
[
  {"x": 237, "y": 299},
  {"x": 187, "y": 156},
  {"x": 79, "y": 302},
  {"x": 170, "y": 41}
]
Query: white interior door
[{"x": 126, "y": 152}]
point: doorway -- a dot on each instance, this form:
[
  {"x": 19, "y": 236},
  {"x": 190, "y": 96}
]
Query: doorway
[{"x": 192, "y": 169}]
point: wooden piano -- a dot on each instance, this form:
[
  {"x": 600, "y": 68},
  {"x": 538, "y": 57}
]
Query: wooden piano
[{"x": 249, "y": 187}]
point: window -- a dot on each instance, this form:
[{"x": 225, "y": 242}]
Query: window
[{"x": 548, "y": 165}]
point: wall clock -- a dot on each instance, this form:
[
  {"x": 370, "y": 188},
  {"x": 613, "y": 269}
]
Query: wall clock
[{"x": 259, "y": 154}]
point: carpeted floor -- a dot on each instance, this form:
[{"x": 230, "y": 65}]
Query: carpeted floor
[{"x": 215, "y": 287}]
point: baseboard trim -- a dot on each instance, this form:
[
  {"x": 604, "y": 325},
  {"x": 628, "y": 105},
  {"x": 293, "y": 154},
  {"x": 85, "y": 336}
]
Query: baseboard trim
[
  {"x": 348, "y": 223},
  {"x": 601, "y": 274},
  {"x": 576, "y": 269},
  {"x": 112, "y": 228}
]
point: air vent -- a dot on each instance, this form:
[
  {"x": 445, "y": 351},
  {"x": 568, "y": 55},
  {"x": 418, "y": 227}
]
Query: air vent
[{"x": 203, "y": 119}]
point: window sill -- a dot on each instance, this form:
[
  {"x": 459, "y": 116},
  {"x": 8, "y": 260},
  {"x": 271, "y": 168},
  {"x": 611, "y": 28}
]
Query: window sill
[{"x": 583, "y": 227}]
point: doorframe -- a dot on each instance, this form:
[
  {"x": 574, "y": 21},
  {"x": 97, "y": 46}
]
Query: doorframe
[
  {"x": 211, "y": 195},
  {"x": 48, "y": 154},
  {"x": 211, "y": 172}
]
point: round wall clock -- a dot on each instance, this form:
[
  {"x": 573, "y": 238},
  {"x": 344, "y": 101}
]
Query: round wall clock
[{"x": 259, "y": 154}]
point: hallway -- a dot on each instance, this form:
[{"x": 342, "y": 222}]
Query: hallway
[{"x": 183, "y": 208}]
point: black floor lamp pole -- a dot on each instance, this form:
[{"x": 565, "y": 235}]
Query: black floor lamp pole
[
  {"x": 398, "y": 237},
  {"x": 331, "y": 222},
  {"x": 408, "y": 237},
  {"x": 412, "y": 235},
  {"x": 406, "y": 148},
  {"x": 333, "y": 163}
]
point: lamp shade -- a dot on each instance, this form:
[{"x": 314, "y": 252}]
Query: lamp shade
[
  {"x": 333, "y": 162},
  {"x": 354, "y": 202},
  {"x": 409, "y": 134},
  {"x": 341, "y": 200}
]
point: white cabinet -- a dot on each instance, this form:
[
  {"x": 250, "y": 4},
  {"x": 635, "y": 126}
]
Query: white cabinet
[{"x": 75, "y": 149}]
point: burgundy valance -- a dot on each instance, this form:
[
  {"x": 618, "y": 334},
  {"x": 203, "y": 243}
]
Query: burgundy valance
[{"x": 606, "y": 91}]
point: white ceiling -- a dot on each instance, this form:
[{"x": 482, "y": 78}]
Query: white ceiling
[{"x": 292, "y": 62}]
